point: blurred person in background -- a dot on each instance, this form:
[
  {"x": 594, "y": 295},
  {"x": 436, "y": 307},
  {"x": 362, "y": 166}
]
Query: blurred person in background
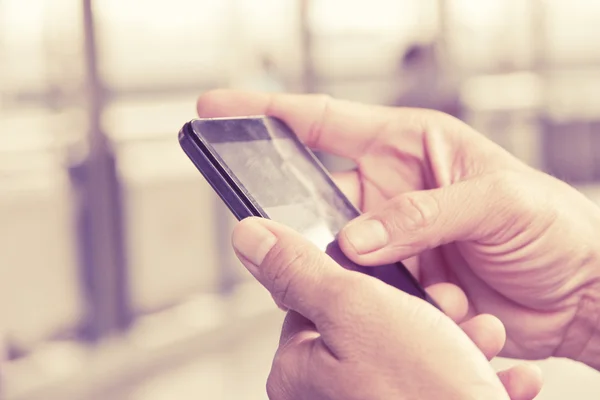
[
  {"x": 423, "y": 83},
  {"x": 510, "y": 254}
]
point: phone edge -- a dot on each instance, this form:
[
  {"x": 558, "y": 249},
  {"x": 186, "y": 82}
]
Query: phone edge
[{"x": 196, "y": 152}]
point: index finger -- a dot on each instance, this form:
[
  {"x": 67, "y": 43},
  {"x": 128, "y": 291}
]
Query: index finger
[{"x": 340, "y": 127}]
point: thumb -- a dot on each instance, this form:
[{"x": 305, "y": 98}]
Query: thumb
[
  {"x": 482, "y": 209},
  {"x": 299, "y": 276}
]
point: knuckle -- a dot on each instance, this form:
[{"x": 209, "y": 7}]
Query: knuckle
[
  {"x": 314, "y": 135},
  {"x": 413, "y": 212},
  {"x": 518, "y": 203},
  {"x": 508, "y": 187}
]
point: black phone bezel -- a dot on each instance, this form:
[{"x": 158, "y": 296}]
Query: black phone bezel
[{"x": 220, "y": 178}]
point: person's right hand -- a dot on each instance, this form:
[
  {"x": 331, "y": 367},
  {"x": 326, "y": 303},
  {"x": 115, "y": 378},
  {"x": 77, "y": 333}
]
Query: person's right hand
[{"x": 523, "y": 245}]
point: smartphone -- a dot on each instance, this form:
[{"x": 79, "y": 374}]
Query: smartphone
[{"x": 259, "y": 168}]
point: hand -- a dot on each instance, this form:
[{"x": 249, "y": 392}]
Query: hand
[
  {"x": 457, "y": 208},
  {"x": 350, "y": 336}
]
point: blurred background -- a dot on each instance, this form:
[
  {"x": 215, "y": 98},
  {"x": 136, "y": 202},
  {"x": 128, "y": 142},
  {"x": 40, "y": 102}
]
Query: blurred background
[{"x": 116, "y": 278}]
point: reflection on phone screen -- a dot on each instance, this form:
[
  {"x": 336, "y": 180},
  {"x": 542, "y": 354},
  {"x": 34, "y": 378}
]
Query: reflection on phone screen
[{"x": 288, "y": 187}]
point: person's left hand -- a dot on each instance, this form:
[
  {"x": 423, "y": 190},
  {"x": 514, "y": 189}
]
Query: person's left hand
[{"x": 350, "y": 336}]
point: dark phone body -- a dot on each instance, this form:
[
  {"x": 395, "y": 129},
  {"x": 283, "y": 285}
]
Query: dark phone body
[{"x": 260, "y": 168}]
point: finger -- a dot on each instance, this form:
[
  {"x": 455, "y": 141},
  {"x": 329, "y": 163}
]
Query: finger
[
  {"x": 298, "y": 275},
  {"x": 487, "y": 332},
  {"x": 413, "y": 222},
  {"x": 523, "y": 382},
  {"x": 339, "y": 127},
  {"x": 451, "y": 299}
]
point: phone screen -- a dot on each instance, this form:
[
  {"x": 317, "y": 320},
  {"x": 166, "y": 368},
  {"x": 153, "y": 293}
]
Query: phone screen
[{"x": 283, "y": 177}]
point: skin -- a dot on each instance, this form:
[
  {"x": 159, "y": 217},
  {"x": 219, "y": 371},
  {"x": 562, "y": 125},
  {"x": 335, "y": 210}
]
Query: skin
[
  {"x": 350, "y": 336},
  {"x": 490, "y": 237}
]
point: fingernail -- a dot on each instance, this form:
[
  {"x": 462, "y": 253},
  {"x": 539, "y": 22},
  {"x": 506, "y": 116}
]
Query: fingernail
[
  {"x": 253, "y": 241},
  {"x": 366, "y": 236}
]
